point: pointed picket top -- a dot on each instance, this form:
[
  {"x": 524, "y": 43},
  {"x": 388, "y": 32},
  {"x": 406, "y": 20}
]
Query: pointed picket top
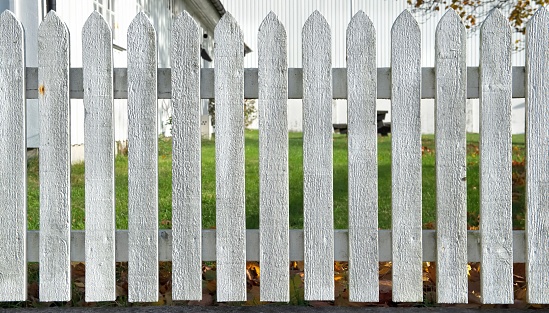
[
  {"x": 316, "y": 23},
  {"x": 405, "y": 23},
  {"x": 271, "y": 24},
  {"x": 94, "y": 21},
  {"x": 271, "y": 27},
  {"x": 184, "y": 22},
  {"x": 7, "y": 17},
  {"x": 228, "y": 30},
  {"x": 140, "y": 21},
  {"x": 361, "y": 26},
  {"x": 51, "y": 22},
  {"x": 496, "y": 22},
  {"x": 450, "y": 23},
  {"x": 539, "y": 18}
]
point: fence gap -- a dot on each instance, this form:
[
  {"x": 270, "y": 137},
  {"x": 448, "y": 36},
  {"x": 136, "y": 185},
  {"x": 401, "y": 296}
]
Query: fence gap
[
  {"x": 406, "y": 159},
  {"x": 99, "y": 156},
  {"x": 13, "y": 163},
  {"x": 186, "y": 162},
  {"x": 451, "y": 159},
  {"x": 229, "y": 161},
  {"x": 55, "y": 158},
  {"x": 318, "y": 213},
  {"x": 274, "y": 224},
  {"x": 537, "y": 152},
  {"x": 362, "y": 150},
  {"x": 495, "y": 160},
  {"x": 142, "y": 162}
]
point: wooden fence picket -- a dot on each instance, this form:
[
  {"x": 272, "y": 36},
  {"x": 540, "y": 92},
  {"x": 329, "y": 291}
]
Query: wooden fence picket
[
  {"x": 451, "y": 159},
  {"x": 495, "y": 160},
  {"x": 13, "y": 161},
  {"x": 55, "y": 159},
  {"x": 99, "y": 155},
  {"x": 362, "y": 132},
  {"x": 406, "y": 159},
  {"x": 186, "y": 161},
  {"x": 318, "y": 216},
  {"x": 274, "y": 222},
  {"x": 229, "y": 161},
  {"x": 537, "y": 162},
  {"x": 142, "y": 162}
]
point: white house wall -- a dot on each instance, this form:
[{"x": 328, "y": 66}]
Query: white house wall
[{"x": 292, "y": 13}]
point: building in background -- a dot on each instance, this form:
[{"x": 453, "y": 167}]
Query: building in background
[
  {"x": 293, "y": 14},
  {"x": 118, "y": 14}
]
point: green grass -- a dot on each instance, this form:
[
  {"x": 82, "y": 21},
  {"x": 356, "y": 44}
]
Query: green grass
[{"x": 295, "y": 183}]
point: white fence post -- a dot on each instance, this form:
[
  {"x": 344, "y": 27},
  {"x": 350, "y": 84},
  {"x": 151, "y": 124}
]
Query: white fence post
[
  {"x": 537, "y": 152},
  {"x": 318, "y": 215},
  {"x": 451, "y": 159},
  {"x": 495, "y": 160},
  {"x": 99, "y": 156},
  {"x": 13, "y": 161},
  {"x": 229, "y": 161},
  {"x": 186, "y": 161},
  {"x": 142, "y": 162},
  {"x": 55, "y": 159},
  {"x": 362, "y": 151},
  {"x": 274, "y": 223},
  {"x": 406, "y": 159}
]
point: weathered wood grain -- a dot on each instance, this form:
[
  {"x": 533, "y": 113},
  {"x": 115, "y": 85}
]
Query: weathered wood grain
[
  {"x": 229, "y": 161},
  {"x": 451, "y": 162},
  {"x": 142, "y": 162},
  {"x": 186, "y": 171},
  {"x": 54, "y": 107},
  {"x": 495, "y": 160},
  {"x": 274, "y": 221},
  {"x": 406, "y": 159},
  {"x": 537, "y": 161},
  {"x": 13, "y": 161},
  {"x": 99, "y": 155},
  {"x": 362, "y": 154},
  {"x": 318, "y": 219}
]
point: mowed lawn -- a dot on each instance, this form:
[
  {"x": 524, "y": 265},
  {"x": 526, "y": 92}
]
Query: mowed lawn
[{"x": 295, "y": 182}]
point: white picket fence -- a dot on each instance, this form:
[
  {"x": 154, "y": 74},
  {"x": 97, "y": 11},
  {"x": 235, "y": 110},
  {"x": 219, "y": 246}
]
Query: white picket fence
[{"x": 496, "y": 246}]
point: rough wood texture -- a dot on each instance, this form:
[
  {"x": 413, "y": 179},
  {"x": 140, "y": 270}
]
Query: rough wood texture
[
  {"x": 318, "y": 219},
  {"x": 229, "y": 161},
  {"x": 55, "y": 214},
  {"x": 99, "y": 155},
  {"x": 495, "y": 160},
  {"x": 537, "y": 162},
  {"x": 13, "y": 161},
  {"x": 273, "y": 160},
  {"x": 406, "y": 159},
  {"x": 451, "y": 153},
  {"x": 142, "y": 162},
  {"x": 362, "y": 153},
  {"x": 186, "y": 180}
]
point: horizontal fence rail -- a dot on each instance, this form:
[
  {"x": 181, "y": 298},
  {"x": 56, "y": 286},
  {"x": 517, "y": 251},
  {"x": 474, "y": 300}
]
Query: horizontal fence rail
[
  {"x": 341, "y": 245},
  {"x": 295, "y": 83},
  {"x": 143, "y": 245}
]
